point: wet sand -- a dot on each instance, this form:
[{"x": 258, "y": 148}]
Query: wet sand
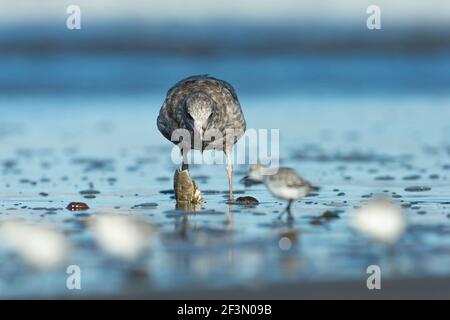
[
  {"x": 430, "y": 288},
  {"x": 113, "y": 159}
]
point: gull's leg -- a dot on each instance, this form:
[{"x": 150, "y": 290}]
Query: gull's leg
[
  {"x": 185, "y": 164},
  {"x": 230, "y": 175}
]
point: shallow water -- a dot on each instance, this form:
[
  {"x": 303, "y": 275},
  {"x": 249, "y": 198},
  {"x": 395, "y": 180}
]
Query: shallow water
[{"x": 108, "y": 154}]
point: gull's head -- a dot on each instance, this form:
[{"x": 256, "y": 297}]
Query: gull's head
[{"x": 198, "y": 112}]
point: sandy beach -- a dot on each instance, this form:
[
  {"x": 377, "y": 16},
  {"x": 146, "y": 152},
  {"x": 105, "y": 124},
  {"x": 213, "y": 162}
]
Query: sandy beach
[
  {"x": 113, "y": 160},
  {"x": 86, "y": 178}
]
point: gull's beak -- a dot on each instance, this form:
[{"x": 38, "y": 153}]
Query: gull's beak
[{"x": 200, "y": 131}]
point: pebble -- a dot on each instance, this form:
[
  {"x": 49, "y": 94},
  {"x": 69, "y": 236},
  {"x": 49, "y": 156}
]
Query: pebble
[
  {"x": 77, "y": 206},
  {"x": 417, "y": 189},
  {"x": 246, "y": 200}
]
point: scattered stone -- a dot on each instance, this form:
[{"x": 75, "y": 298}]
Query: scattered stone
[
  {"x": 211, "y": 192},
  {"x": 246, "y": 200},
  {"x": 312, "y": 194},
  {"x": 291, "y": 235},
  {"x": 77, "y": 206},
  {"x": 89, "y": 192},
  {"x": 259, "y": 213},
  {"x": 148, "y": 205},
  {"x": 412, "y": 177},
  {"x": 330, "y": 215},
  {"x": 384, "y": 178},
  {"x": 315, "y": 222},
  {"x": 417, "y": 189}
]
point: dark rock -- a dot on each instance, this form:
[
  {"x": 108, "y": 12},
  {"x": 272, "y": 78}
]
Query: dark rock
[
  {"x": 246, "y": 200},
  {"x": 77, "y": 206}
]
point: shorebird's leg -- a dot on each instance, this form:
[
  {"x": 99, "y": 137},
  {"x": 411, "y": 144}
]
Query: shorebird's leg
[
  {"x": 185, "y": 164},
  {"x": 286, "y": 210},
  {"x": 289, "y": 212},
  {"x": 230, "y": 175}
]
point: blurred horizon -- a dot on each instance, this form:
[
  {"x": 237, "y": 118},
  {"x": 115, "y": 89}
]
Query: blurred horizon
[
  {"x": 262, "y": 47},
  {"x": 339, "y": 12},
  {"x": 360, "y": 113}
]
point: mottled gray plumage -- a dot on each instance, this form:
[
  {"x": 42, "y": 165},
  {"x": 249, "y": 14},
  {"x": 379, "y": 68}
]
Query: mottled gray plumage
[
  {"x": 201, "y": 103},
  {"x": 226, "y": 110}
]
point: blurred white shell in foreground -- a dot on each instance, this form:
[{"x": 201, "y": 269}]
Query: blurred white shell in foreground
[
  {"x": 120, "y": 236},
  {"x": 380, "y": 220},
  {"x": 40, "y": 246}
]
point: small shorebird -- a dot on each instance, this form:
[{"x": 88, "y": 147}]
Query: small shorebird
[
  {"x": 120, "y": 236},
  {"x": 284, "y": 184},
  {"x": 203, "y": 104},
  {"x": 40, "y": 246},
  {"x": 380, "y": 220}
]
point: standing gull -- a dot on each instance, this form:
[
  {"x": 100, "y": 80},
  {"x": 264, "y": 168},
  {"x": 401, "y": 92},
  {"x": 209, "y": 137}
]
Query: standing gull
[
  {"x": 204, "y": 106},
  {"x": 284, "y": 183}
]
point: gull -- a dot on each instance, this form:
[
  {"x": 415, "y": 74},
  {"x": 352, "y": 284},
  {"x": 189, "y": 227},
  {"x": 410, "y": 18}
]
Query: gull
[
  {"x": 205, "y": 107},
  {"x": 380, "y": 220},
  {"x": 284, "y": 183}
]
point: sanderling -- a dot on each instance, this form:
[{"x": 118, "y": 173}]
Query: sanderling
[
  {"x": 40, "y": 246},
  {"x": 198, "y": 104},
  {"x": 380, "y": 220},
  {"x": 120, "y": 236},
  {"x": 283, "y": 183}
]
